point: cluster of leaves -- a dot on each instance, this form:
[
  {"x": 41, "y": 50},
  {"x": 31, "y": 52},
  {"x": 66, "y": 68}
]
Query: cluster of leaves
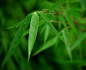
[{"x": 68, "y": 19}]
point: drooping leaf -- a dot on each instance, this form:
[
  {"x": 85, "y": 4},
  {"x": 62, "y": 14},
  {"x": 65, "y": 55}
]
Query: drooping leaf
[
  {"x": 32, "y": 32},
  {"x": 70, "y": 21},
  {"x": 50, "y": 24},
  {"x": 65, "y": 36},
  {"x": 15, "y": 25},
  {"x": 63, "y": 21},
  {"x": 17, "y": 39},
  {"x": 55, "y": 6},
  {"x": 27, "y": 31},
  {"x": 46, "y": 33},
  {"x": 79, "y": 40},
  {"x": 45, "y": 46}
]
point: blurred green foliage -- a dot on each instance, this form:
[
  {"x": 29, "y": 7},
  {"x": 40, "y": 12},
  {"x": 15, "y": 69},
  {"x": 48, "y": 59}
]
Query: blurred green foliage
[{"x": 54, "y": 58}]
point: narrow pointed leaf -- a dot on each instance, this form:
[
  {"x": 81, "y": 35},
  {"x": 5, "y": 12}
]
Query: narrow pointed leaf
[
  {"x": 15, "y": 25},
  {"x": 59, "y": 22},
  {"x": 17, "y": 38},
  {"x": 65, "y": 36},
  {"x": 67, "y": 4},
  {"x": 43, "y": 28},
  {"x": 46, "y": 33},
  {"x": 47, "y": 30},
  {"x": 74, "y": 14},
  {"x": 45, "y": 46},
  {"x": 70, "y": 21},
  {"x": 63, "y": 21},
  {"x": 41, "y": 22},
  {"x": 50, "y": 24},
  {"x": 27, "y": 31},
  {"x": 79, "y": 40},
  {"x": 55, "y": 6},
  {"x": 32, "y": 32}
]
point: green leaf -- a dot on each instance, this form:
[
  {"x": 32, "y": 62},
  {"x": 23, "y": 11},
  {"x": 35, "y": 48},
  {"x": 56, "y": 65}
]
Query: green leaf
[
  {"x": 74, "y": 14},
  {"x": 59, "y": 22},
  {"x": 17, "y": 38},
  {"x": 50, "y": 24},
  {"x": 27, "y": 31},
  {"x": 79, "y": 40},
  {"x": 65, "y": 36},
  {"x": 47, "y": 30},
  {"x": 41, "y": 22},
  {"x": 46, "y": 33},
  {"x": 45, "y": 46},
  {"x": 43, "y": 28},
  {"x": 67, "y": 4},
  {"x": 55, "y": 6},
  {"x": 15, "y": 25},
  {"x": 70, "y": 21},
  {"x": 63, "y": 21},
  {"x": 32, "y": 32}
]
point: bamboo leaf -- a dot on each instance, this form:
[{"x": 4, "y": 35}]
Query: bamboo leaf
[
  {"x": 43, "y": 28},
  {"x": 15, "y": 25},
  {"x": 47, "y": 30},
  {"x": 67, "y": 4},
  {"x": 55, "y": 6},
  {"x": 65, "y": 36},
  {"x": 74, "y": 14},
  {"x": 46, "y": 33},
  {"x": 63, "y": 21},
  {"x": 41, "y": 22},
  {"x": 45, "y": 46},
  {"x": 27, "y": 31},
  {"x": 32, "y": 32},
  {"x": 59, "y": 22},
  {"x": 50, "y": 24},
  {"x": 16, "y": 39},
  {"x": 70, "y": 21},
  {"x": 79, "y": 40}
]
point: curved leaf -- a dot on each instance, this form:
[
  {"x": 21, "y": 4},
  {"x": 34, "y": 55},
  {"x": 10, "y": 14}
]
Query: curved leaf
[
  {"x": 17, "y": 38},
  {"x": 32, "y": 32}
]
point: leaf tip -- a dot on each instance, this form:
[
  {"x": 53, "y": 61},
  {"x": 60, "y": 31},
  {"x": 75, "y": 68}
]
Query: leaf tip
[{"x": 28, "y": 57}]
